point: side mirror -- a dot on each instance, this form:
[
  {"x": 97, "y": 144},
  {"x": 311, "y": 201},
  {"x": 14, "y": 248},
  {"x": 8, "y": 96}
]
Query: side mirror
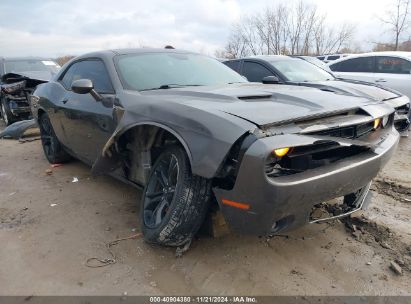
[
  {"x": 270, "y": 80},
  {"x": 82, "y": 86},
  {"x": 85, "y": 86}
]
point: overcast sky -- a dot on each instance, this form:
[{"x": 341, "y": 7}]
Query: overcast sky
[{"x": 53, "y": 28}]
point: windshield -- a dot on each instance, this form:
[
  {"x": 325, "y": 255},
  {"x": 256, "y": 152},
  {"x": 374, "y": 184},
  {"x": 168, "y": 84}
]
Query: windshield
[
  {"x": 30, "y": 65},
  {"x": 317, "y": 62},
  {"x": 150, "y": 71},
  {"x": 300, "y": 71}
]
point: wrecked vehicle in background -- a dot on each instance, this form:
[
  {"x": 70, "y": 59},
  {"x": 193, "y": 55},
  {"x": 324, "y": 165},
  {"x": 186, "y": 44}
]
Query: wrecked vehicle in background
[
  {"x": 18, "y": 79},
  {"x": 198, "y": 137}
]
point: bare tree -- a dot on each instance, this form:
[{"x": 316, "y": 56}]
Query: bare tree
[
  {"x": 332, "y": 40},
  {"x": 397, "y": 19},
  {"x": 236, "y": 47},
  {"x": 63, "y": 59},
  {"x": 295, "y": 28}
]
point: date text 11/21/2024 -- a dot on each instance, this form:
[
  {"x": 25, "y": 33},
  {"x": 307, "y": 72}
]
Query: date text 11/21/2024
[{"x": 204, "y": 299}]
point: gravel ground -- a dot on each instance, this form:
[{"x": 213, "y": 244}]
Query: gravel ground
[{"x": 50, "y": 226}]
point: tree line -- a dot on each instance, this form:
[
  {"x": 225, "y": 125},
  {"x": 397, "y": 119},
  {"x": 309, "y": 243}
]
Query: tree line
[{"x": 299, "y": 28}]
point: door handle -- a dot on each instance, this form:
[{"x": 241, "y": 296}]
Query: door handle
[
  {"x": 381, "y": 80},
  {"x": 64, "y": 100}
]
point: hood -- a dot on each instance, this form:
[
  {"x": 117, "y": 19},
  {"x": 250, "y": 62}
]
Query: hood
[
  {"x": 263, "y": 104},
  {"x": 42, "y": 76},
  {"x": 354, "y": 88},
  {"x": 31, "y": 79}
]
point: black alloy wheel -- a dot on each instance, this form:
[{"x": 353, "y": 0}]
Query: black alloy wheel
[
  {"x": 175, "y": 202},
  {"x": 161, "y": 190}
]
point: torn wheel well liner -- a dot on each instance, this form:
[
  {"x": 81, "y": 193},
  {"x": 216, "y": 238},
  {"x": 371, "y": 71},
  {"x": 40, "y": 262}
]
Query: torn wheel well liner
[{"x": 135, "y": 148}]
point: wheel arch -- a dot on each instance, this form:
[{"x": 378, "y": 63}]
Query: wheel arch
[
  {"x": 160, "y": 126},
  {"x": 140, "y": 140}
]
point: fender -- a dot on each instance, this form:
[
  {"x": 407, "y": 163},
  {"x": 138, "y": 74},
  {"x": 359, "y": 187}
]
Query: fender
[
  {"x": 205, "y": 153},
  {"x": 108, "y": 161}
]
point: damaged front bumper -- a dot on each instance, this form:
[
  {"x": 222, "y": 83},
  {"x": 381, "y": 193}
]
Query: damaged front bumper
[
  {"x": 18, "y": 105},
  {"x": 402, "y": 118},
  {"x": 262, "y": 205},
  {"x": 16, "y": 90}
]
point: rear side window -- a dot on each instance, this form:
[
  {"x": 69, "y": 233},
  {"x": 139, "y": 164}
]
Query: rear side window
[
  {"x": 255, "y": 72},
  {"x": 392, "y": 65},
  {"x": 321, "y": 57},
  {"x": 89, "y": 69},
  {"x": 333, "y": 57},
  {"x": 361, "y": 64},
  {"x": 234, "y": 64}
]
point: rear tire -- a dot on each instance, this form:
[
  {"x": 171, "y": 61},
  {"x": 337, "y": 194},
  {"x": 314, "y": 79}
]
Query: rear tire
[
  {"x": 53, "y": 149},
  {"x": 175, "y": 202}
]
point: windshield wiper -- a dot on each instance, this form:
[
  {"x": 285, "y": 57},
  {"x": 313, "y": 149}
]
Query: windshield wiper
[{"x": 171, "y": 86}]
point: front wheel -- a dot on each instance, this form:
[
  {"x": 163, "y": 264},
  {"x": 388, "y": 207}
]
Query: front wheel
[
  {"x": 175, "y": 201},
  {"x": 6, "y": 114}
]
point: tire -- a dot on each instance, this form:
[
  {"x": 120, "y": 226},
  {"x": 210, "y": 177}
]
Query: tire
[
  {"x": 175, "y": 202},
  {"x": 6, "y": 114},
  {"x": 53, "y": 150}
]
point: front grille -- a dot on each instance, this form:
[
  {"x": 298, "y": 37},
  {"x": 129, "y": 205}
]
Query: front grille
[
  {"x": 308, "y": 157},
  {"x": 348, "y": 132}
]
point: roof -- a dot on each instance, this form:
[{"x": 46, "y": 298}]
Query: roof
[
  {"x": 147, "y": 50},
  {"x": 265, "y": 57},
  {"x": 406, "y": 55},
  {"x": 389, "y": 53},
  {"x": 271, "y": 57},
  {"x": 112, "y": 52},
  {"x": 342, "y": 54}
]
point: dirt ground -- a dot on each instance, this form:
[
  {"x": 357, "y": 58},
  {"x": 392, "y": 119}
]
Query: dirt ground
[{"x": 50, "y": 226}]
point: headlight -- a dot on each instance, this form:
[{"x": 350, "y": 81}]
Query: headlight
[
  {"x": 281, "y": 152},
  {"x": 377, "y": 123}
]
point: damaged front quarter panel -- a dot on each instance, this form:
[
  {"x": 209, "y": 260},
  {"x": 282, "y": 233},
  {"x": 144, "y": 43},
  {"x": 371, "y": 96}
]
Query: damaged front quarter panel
[{"x": 196, "y": 135}]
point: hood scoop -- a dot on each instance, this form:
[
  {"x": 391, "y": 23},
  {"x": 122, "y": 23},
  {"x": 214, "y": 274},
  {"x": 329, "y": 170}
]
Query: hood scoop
[{"x": 255, "y": 97}]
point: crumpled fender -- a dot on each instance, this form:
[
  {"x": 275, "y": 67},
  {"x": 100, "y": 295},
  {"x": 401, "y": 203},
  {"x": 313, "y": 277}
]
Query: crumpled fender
[{"x": 206, "y": 138}]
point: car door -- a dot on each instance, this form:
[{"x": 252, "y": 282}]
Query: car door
[
  {"x": 394, "y": 73},
  {"x": 255, "y": 72},
  {"x": 87, "y": 124},
  {"x": 360, "y": 68}
]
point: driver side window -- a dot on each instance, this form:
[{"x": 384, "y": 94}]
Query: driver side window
[{"x": 89, "y": 69}]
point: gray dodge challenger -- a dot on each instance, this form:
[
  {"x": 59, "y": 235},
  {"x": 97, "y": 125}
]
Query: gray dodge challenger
[{"x": 199, "y": 138}]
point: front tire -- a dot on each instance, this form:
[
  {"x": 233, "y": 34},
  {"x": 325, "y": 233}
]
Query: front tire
[
  {"x": 53, "y": 150},
  {"x": 6, "y": 114},
  {"x": 175, "y": 201}
]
